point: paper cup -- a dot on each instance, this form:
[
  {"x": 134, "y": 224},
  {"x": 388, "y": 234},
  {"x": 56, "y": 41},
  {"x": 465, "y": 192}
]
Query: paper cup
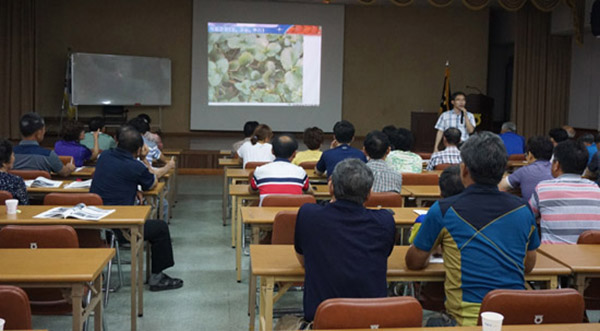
[
  {"x": 491, "y": 321},
  {"x": 2, "y": 324},
  {"x": 11, "y": 206}
]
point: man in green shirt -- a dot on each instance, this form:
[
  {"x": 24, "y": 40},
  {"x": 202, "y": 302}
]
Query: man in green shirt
[{"x": 105, "y": 141}]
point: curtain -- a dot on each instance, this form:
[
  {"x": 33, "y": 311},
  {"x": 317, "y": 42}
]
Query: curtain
[
  {"x": 17, "y": 63},
  {"x": 541, "y": 75}
]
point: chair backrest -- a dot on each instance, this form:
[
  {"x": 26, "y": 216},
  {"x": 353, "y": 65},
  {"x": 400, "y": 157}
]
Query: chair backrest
[
  {"x": 384, "y": 199},
  {"x": 14, "y": 308},
  {"x": 443, "y": 166},
  {"x": 65, "y": 159},
  {"x": 47, "y": 236},
  {"x": 425, "y": 156},
  {"x": 419, "y": 179},
  {"x": 284, "y": 228},
  {"x": 535, "y": 307},
  {"x": 254, "y": 165},
  {"x": 590, "y": 237},
  {"x": 308, "y": 164},
  {"x": 91, "y": 199},
  {"x": 5, "y": 195},
  {"x": 392, "y": 312},
  {"x": 516, "y": 157},
  {"x": 30, "y": 174},
  {"x": 88, "y": 238},
  {"x": 287, "y": 200}
]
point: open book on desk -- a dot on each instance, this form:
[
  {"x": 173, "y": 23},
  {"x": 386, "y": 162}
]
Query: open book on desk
[
  {"x": 43, "y": 182},
  {"x": 80, "y": 211}
]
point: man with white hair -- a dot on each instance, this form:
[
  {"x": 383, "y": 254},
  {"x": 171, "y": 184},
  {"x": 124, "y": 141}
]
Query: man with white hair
[{"x": 514, "y": 143}]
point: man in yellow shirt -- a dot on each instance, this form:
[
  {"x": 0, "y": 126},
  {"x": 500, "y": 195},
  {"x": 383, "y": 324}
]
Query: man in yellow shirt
[{"x": 313, "y": 138}]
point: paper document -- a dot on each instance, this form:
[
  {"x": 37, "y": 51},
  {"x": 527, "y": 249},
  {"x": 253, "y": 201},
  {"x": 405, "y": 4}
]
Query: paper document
[
  {"x": 420, "y": 211},
  {"x": 80, "y": 184},
  {"x": 80, "y": 211},
  {"x": 43, "y": 182}
]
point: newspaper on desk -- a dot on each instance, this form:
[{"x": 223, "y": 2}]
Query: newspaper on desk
[
  {"x": 80, "y": 211},
  {"x": 43, "y": 182}
]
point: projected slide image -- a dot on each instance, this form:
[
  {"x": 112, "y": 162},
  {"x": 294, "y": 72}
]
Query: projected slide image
[{"x": 263, "y": 64}]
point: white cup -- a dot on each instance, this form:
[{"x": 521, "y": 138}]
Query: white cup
[
  {"x": 2, "y": 324},
  {"x": 11, "y": 206},
  {"x": 491, "y": 321}
]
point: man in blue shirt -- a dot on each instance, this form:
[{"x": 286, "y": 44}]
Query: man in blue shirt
[
  {"x": 116, "y": 179},
  {"x": 343, "y": 132},
  {"x": 514, "y": 143},
  {"x": 589, "y": 141},
  {"x": 343, "y": 246},
  {"x": 472, "y": 229},
  {"x": 29, "y": 155}
]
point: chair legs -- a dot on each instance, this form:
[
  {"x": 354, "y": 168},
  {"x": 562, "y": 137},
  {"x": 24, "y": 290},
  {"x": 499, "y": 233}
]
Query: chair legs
[{"x": 114, "y": 243}]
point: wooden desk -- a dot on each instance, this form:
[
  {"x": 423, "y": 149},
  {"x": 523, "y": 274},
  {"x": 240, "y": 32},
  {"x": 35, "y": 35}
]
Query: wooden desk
[
  {"x": 86, "y": 172},
  {"x": 263, "y": 218},
  {"x": 129, "y": 219},
  {"x": 225, "y": 152},
  {"x": 583, "y": 260},
  {"x": 243, "y": 174},
  {"x": 423, "y": 192},
  {"x": 72, "y": 269},
  {"x": 227, "y": 163},
  {"x": 154, "y": 196},
  {"x": 278, "y": 263},
  {"x": 528, "y": 327},
  {"x": 516, "y": 164}
]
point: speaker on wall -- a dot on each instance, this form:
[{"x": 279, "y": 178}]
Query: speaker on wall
[{"x": 595, "y": 19}]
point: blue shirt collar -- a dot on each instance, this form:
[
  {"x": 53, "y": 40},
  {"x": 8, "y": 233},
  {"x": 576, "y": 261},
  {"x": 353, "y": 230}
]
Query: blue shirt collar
[
  {"x": 122, "y": 152},
  {"x": 347, "y": 204},
  {"x": 481, "y": 188},
  {"x": 28, "y": 142}
]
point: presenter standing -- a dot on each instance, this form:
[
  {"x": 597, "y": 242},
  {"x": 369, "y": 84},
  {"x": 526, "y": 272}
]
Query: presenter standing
[{"x": 458, "y": 117}]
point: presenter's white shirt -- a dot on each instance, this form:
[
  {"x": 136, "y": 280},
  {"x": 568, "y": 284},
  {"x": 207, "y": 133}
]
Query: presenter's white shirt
[
  {"x": 449, "y": 119},
  {"x": 256, "y": 153}
]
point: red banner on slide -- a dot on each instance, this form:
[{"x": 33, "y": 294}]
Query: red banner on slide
[{"x": 311, "y": 30}]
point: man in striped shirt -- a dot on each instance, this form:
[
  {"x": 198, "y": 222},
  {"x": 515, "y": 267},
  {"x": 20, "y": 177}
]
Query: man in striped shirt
[
  {"x": 280, "y": 176},
  {"x": 568, "y": 204},
  {"x": 449, "y": 155}
]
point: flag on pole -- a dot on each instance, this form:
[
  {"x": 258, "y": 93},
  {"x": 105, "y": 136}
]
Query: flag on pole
[
  {"x": 67, "y": 105},
  {"x": 446, "y": 92}
]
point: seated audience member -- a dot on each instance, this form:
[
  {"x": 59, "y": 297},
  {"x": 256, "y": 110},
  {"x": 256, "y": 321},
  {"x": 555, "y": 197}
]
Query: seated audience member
[
  {"x": 116, "y": 179},
  {"x": 568, "y": 204},
  {"x": 450, "y": 154},
  {"x": 558, "y": 135},
  {"x": 343, "y": 132},
  {"x": 570, "y": 131},
  {"x": 589, "y": 142},
  {"x": 105, "y": 141},
  {"x": 69, "y": 145},
  {"x": 258, "y": 149},
  {"x": 343, "y": 246},
  {"x": 313, "y": 138},
  {"x": 249, "y": 128},
  {"x": 401, "y": 159},
  {"x": 450, "y": 185},
  {"x": 514, "y": 143},
  {"x": 471, "y": 228},
  {"x": 29, "y": 155},
  {"x": 149, "y": 135},
  {"x": 385, "y": 179},
  {"x": 280, "y": 176},
  {"x": 8, "y": 182},
  {"x": 593, "y": 169},
  {"x": 539, "y": 153},
  {"x": 154, "y": 153}
]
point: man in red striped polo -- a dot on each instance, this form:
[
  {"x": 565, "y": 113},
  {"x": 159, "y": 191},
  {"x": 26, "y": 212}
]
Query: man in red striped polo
[
  {"x": 280, "y": 176},
  {"x": 568, "y": 204}
]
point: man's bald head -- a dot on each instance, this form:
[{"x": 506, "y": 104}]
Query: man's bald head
[
  {"x": 129, "y": 139},
  {"x": 284, "y": 146}
]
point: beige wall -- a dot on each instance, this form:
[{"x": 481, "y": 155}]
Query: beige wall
[{"x": 393, "y": 62}]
